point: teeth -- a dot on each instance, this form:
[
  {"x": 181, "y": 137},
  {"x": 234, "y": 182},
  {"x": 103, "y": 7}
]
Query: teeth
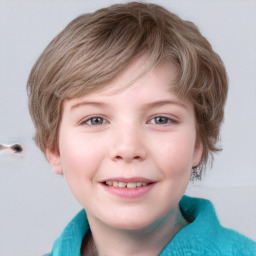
[
  {"x": 131, "y": 185},
  {"x": 138, "y": 184},
  {"x": 109, "y": 183},
  {"x": 122, "y": 185},
  {"x": 115, "y": 184},
  {"x": 126, "y": 184}
]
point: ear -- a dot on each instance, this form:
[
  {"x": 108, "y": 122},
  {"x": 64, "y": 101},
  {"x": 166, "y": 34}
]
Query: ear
[
  {"x": 198, "y": 152},
  {"x": 53, "y": 158}
]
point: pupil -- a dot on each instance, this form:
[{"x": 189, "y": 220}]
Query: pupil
[
  {"x": 97, "y": 120},
  {"x": 161, "y": 120}
]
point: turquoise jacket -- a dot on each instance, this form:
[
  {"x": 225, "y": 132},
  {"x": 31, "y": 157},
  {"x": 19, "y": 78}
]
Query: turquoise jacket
[{"x": 203, "y": 236}]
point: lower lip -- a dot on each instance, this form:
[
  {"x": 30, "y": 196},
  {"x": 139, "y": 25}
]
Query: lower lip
[{"x": 130, "y": 193}]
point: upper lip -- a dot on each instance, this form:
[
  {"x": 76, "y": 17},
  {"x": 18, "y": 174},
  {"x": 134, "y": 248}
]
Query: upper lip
[{"x": 131, "y": 179}]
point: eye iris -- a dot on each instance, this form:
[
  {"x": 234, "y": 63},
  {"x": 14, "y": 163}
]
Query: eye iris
[
  {"x": 96, "y": 120},
  {"x": 161, "y": 120}
]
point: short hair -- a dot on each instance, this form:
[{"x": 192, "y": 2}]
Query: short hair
[{"x": 95, "y": 48}]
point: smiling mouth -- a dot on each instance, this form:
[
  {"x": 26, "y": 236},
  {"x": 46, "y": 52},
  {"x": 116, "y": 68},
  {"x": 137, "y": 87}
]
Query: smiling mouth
[{"x": 131, "y": 185}]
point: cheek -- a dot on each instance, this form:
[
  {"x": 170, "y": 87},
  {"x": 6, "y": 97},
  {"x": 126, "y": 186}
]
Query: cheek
[
  {"x": 80, "y": 160},
  {"x": 80, "y": 156},
  {"x": 175, "y": 154}
]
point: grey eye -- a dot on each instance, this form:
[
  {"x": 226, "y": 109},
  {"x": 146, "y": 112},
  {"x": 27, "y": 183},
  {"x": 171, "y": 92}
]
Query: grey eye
[
  {"x": 161, "y": 120},
  {"x": 96, "y": 121}
]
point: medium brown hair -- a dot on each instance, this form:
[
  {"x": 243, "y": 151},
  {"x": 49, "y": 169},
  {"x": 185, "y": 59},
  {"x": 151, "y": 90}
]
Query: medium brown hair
[{"x": 94, "y": 48}]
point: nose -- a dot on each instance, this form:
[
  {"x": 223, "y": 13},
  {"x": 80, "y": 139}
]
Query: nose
[{"x": 128, "y": 144}]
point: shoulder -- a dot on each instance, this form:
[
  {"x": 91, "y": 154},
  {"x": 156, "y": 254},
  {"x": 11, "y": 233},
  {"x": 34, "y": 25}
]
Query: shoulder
[
  {"x": 70, "y": 240},
  {"x": 204, "y": 235},
  {"x": 235, "y": 243}
]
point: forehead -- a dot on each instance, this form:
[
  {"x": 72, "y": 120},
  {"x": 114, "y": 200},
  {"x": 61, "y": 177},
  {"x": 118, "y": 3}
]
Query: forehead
[
  {"x": 136, "y": 72},
  {"x": 153, "y": 86}
]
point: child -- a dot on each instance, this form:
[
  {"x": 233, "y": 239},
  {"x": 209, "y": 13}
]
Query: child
[{"x": 127, "y": 103}]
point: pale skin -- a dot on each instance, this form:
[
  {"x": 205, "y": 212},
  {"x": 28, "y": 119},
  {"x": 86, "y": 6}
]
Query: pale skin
[{"x": 141, "y": 134}]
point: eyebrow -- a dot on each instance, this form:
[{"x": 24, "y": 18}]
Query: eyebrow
[
  {"x": 83, "y": 103},
  {"x": 157, "y": 103}
]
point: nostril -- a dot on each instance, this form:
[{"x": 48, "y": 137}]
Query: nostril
[
  {"x": 127, "y": 158},
  {"x": 127, "y": 152}
]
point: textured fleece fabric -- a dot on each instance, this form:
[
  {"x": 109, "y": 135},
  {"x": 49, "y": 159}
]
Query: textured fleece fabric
[{"x": 204, "y": 236}]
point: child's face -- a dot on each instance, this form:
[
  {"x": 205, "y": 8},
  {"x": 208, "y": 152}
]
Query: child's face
[{"x": 143, "y": 137}]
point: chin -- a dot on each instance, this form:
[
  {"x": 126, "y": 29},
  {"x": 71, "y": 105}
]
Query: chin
[
  {"x": 131, "y": 225},
  {"x": 133, "y": 221}
]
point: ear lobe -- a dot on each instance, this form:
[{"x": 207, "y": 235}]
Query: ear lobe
[
  {"x": 53, "y": 158},
  {"x": 198, "y": 152}
]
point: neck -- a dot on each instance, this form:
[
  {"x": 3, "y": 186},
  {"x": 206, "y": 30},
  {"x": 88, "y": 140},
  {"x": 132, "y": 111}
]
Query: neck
[{"x": 150, "y": 240}]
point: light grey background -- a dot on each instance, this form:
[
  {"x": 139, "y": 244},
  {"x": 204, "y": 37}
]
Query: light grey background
[{"x": 35, "y": 204}]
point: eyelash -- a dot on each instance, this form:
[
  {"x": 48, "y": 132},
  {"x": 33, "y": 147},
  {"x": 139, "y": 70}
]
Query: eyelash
[
  {"x": 91, "y": 120},
  {"x": 159, "y": 118}
]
